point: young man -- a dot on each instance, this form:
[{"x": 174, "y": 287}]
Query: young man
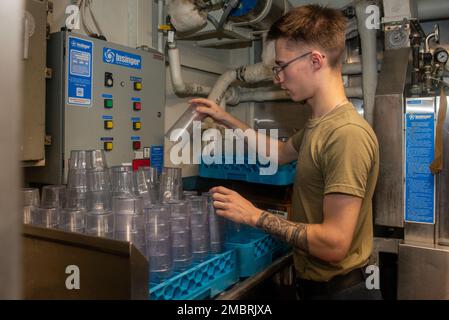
[{"x": 337, "y": 161}]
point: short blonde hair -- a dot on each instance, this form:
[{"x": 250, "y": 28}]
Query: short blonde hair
[{"x": 314, "y": 25}]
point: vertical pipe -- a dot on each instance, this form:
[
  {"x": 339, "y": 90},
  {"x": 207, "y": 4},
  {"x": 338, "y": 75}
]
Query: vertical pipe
[
  {"x": 11, "y": 19},
  {"x": 368, "y": 39},
  {"x": 160, "y": 21}
]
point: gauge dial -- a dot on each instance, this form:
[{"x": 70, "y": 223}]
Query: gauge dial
[{"x": 441, "y": 55}]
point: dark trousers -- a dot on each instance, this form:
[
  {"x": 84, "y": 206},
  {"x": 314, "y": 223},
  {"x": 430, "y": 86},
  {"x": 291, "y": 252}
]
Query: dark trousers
[{"x": 351, "y": 286}]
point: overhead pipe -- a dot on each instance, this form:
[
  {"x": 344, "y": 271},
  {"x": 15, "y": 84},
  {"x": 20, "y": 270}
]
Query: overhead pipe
[
  {"x": 238, "y": 94},
  {"x": 368, "y": 38},
  {"x": 432, "y": 9}
]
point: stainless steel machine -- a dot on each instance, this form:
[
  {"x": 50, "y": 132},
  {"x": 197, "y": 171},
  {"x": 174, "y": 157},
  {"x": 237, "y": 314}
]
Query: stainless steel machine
[
  {"x": 100, "y": 96},
  {"x": 411, "y": 130}
]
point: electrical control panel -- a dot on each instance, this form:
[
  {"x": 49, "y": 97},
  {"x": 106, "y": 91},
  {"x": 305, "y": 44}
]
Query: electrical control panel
[{"x": 101, "y": 96}]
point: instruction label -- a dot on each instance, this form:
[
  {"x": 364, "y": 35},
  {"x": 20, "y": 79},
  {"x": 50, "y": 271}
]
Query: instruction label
[
  {"x": 79, "y": 82},
  {"x": 419, "y": 181}
]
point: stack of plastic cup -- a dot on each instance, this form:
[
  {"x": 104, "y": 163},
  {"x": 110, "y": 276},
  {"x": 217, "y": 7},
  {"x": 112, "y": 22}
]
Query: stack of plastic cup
[
  {"x": 147, "y": 185},
  {"x": 129, "y": 221},
  {"x": 158, "y": 242},
  {"x": 122, "y": 181},
  {"x": 217, "y": 226},
  {"x": 30, "y": 203},
  {"x": 199, "y": 224},
  {"x": 88, "y": 194},
  {"x": 170, "y": 185},
  {"x": 47, "y": 215},
  {"x": 181, "y": 235}
]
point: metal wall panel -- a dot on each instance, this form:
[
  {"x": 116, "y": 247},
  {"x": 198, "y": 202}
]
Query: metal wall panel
[{"x": 33, "y": 118}]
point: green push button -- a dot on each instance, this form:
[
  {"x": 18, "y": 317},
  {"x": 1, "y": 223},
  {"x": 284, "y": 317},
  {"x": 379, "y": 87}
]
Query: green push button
[{"x": 108, "y": 103}]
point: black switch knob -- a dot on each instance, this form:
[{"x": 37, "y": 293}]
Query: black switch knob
[{"x": 108, "y": 80}]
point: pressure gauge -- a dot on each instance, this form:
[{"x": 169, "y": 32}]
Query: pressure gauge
[
  {"x": 441, "y": 55},
  {"x": 397, "y": 38}
]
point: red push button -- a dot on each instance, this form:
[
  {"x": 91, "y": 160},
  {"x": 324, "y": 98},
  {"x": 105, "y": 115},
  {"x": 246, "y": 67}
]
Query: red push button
[
  {"x": 136, "y": 145},
  {"x": 137, "y": 106}
]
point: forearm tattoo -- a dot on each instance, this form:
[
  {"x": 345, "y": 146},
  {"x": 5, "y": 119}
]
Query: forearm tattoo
[{"x": 292, "y": 233}]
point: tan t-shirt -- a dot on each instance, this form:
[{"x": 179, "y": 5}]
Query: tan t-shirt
[{"x": 338, "y": 153}]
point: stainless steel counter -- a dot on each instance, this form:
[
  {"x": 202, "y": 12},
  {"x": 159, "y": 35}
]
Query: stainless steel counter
[{"x": 274, "y": 282}]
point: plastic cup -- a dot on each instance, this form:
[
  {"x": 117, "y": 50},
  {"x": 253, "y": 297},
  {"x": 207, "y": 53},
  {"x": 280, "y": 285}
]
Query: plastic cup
[
  {"x": 75, "y": 198},
  {"x": 45, "y": 217},
  {"x": 53, "y": 196},
  {"x": 28, "y": 212},
  {"x": 184, "y": 124},
  {"x": 72, "y": 220},
  {"x": 170, "y": 184},
  {"x": 99, "y": 225},
  {"x": 122, "y": 181},
  {"x": 98, "y": 180},
  {"x": 127, "y": 205},
  {"x": 217, "y": 226},
  {"x": 30, "y": 197},
  {"x": 99, "y": 201},
  {"x": 77, "y": 178},
  {"x": 158, "y": 242}
]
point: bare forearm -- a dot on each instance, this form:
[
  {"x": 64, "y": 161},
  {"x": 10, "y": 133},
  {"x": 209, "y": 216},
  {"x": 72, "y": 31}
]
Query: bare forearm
[
  {"x": 292, "y": 233},
  {"x": 313, "y": 239}
]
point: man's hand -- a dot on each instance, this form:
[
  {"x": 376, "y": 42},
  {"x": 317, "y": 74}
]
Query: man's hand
[
  {"x": 233, "y": 206},
  {"x": 210, "y": 108}
]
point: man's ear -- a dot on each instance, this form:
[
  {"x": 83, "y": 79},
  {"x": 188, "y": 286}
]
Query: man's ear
[{"x": 317, "y": 60}]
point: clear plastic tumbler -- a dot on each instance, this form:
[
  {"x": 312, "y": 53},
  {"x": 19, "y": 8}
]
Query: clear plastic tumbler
[
  {"x": 158, "y": 242},
  {"x": 217, "y": 226},
  {"x": 199, "y": 225},
  {"x": 181, "y": 235},
  {"x": 170, "y": 184},
  {"x": 99, "y": 224}
]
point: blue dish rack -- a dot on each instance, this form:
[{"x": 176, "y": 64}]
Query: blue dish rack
[
  {"x": 202, "y": 281},
  {"x": 247, "y": 253},
  {"x": 255, "y": 248},
  {"x": 249, "y": 172}
]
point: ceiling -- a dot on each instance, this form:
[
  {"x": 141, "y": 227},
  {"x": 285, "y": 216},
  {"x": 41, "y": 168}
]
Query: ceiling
[{"x": 329, "y": 3}]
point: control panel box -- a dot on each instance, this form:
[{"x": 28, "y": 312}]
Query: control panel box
[{"x": 101, "y": 96}]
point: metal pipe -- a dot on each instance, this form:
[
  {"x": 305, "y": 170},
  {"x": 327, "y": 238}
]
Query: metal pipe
[
  {"x": 433, "y": 9},
  {"x": 160, "y": 20},
  {"x": 179, "y": 86},
  {"x": 238, "y": 95},
  {"x": 221, "y": 86},
  {"x": 368, "y": 39}
]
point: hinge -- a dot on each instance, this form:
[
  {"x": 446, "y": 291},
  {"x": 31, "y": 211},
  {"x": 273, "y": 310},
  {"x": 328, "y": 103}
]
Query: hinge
[
  {"x": 47, "y": 140},
  {"x": 48, "y": 73}
]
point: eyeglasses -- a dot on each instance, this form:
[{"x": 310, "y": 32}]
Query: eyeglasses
[{"x": 279, "y": 68}]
